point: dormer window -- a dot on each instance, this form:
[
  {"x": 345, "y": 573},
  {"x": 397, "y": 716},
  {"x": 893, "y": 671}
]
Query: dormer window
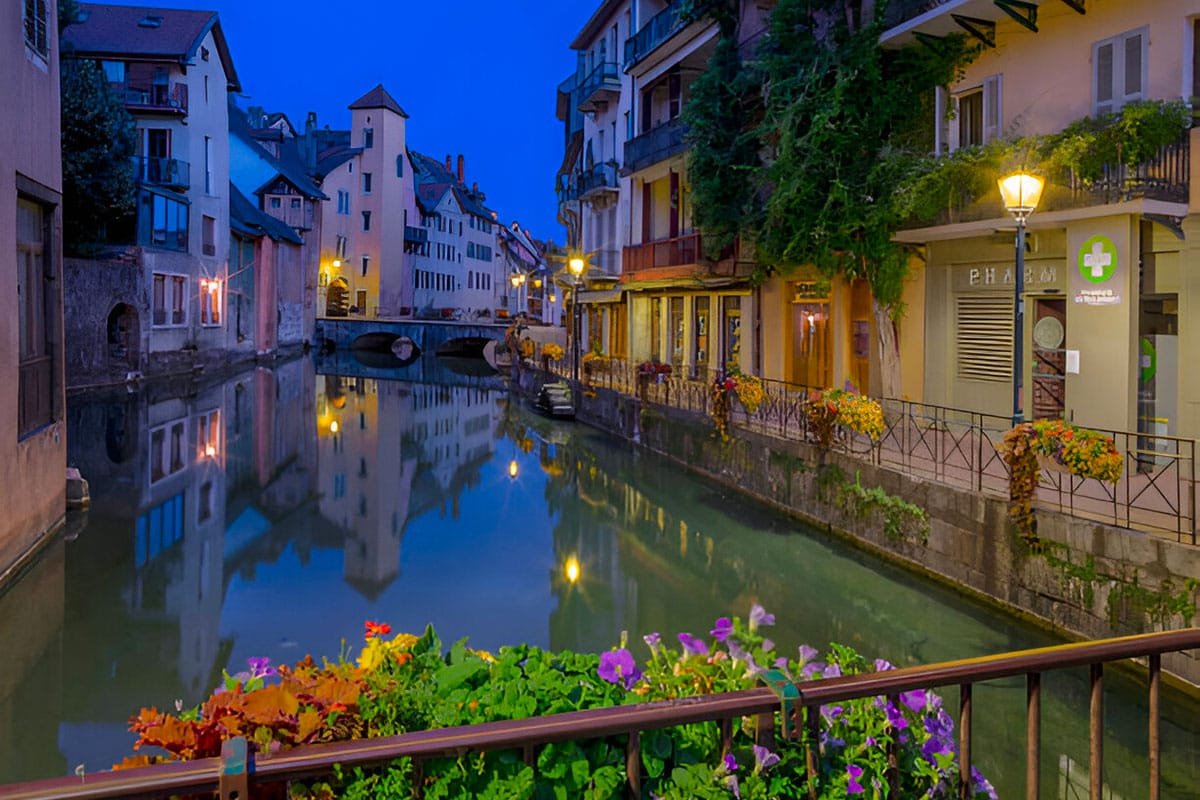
[{"x": 150, "y": 21}]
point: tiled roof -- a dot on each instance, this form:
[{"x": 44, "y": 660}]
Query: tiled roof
[
  {"x": 430, "y": 171},
  {"x": 108, "y": 30},
  {"x": 332, "y": 158},
  {"x": 289, "y": 164},
  {"x": 247, "y": 218},
  {"x": 379, "y": 98}
]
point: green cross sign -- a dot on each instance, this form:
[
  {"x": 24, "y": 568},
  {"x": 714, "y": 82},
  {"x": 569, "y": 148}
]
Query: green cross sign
[{"x": 1098, "y": 259}]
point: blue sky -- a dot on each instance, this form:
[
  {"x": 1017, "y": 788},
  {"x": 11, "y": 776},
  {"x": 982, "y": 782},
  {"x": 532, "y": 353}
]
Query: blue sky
[{"x": 477, "y": 78}]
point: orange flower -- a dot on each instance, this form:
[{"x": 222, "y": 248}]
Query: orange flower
[
  {"x": 403, "y": 658},
  {"x": 377, "y": 629}
]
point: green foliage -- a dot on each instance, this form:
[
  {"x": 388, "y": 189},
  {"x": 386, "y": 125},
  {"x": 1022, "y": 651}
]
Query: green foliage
[
  {"x": 902, "y": 520},
  {"x": 98, "y": 143}
]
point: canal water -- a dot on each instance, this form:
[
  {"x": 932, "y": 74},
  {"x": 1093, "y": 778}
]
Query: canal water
[{"x": 271, "y": 514}]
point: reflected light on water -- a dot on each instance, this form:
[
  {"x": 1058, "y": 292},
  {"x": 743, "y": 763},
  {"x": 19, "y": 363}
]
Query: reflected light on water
[
  {"x": 513, "y": 469},
  {"x": 333, "y": 427}
]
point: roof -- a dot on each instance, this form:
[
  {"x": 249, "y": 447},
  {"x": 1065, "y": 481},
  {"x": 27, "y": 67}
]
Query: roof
[
  {"x": 598, "y": 23},
  {"x": 331, "y": 159},
  {"x": 248, "y": 219},
  {"x": 107, "y": 30},
  {"x": 379, "y": 98},
  {"x": 289, "y": 164},
  {"x": 432, "y": 178}
]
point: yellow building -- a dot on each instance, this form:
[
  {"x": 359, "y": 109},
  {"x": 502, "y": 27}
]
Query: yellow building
[{"x": 1107, "y": 280}]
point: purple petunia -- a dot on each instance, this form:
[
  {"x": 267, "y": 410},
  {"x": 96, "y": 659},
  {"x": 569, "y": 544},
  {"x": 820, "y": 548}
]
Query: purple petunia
[
  {"x": 807, "y": 653},
  {"x": 854, "y": 772},
  {"x": 758, "y": 616},
  {"x": 692, "y": 645},
  {"x": 916, "y": 700},
  {"x": 731, "y": 764},
  {"x": 982, "y": 784},
  {"x": 882, "y": 666},
  {"x": 831, "y": 713},
  {"x": 652, "y": 641},
  {"x": 764, "y": 758},
  {"x": 832, "y": 671},
  {"x": 721, "y": 629},
  {"x": 260, "y": 667},
  {"x": 895, "y": 717},
  {"x": 617, "y": 666},
  {"x": 813, "y": 669},
  {"x": 767, "y": 645}
]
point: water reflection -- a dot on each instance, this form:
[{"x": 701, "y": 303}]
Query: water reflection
[{"x": 273, "y": 513}]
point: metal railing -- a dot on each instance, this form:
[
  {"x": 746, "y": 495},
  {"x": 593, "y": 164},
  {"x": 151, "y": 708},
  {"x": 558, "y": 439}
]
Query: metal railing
[
  {"x": 236, "y": 774},
  {"x": 661, "y": 27},
  {"x": 601, "y": 177},
  {"x": 154, "y": 97},
  {"x": 605, "y": 78},
  {"x": 656, "y": 145},
  {"x": 676, "y": 252},
  {"x": 172, "y": 173},
  {"x": 953, "y": 446}
]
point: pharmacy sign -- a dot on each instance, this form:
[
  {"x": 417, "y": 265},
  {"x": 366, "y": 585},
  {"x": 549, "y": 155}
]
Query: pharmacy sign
[{"x": 1098, "y": 266}]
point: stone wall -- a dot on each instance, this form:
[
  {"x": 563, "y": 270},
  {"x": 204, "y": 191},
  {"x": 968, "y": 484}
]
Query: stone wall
[{"x": 1091, "y": 580}]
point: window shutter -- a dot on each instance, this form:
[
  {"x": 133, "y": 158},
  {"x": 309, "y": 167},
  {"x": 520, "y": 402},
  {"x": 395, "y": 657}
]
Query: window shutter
[
  {"x": 992, "y": 107},
  {"x": 1103, "y": 57},
  {"x": 941, "y": 116},
  {"x": 1133, "y": 68},
  {"x": 985, "y": 337},
  {"x": 953, "y": 140}
]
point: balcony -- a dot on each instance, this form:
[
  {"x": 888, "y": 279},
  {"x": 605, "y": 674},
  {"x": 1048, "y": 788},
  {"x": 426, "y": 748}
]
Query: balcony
[
  {"x": 599, "y": 180},
  {"x": 601, "y": 87},
  {"x": 677, "y": 252},
  {"x": 657, "y": 145},
  {"x": 901, "y": 11},
  {"x": 299, "y": 217},
  {"x": 1165, "y": 177},
  {"x": 169, "y": 173},
  {"x": 154, "y": 98},
  {"x": 659, "y": 29},
  {"x": 415, "y": 235}
]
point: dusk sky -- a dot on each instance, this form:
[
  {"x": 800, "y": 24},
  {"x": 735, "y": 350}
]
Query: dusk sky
[{"x": 476, "y": 78}]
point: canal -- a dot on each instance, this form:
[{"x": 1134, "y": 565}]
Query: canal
[{"x": 271, "y": 514}]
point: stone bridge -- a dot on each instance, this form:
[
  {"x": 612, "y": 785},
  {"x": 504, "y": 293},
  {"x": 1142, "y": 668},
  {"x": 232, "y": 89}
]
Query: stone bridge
[{"x": 429, "y": 335}]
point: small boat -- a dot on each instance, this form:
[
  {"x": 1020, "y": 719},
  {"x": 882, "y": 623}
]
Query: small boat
[{"x": 556, "y": 400}]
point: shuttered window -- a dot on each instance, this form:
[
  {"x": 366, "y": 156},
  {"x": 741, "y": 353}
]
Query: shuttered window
[
  {"x": 985, "y": 337},
  {"x": 1119, "y": 71}
]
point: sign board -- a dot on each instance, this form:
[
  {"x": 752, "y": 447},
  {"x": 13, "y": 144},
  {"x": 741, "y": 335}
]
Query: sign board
[
  {"x": 1039, "y": 276},
  {"x": 1096, "y": 281}
]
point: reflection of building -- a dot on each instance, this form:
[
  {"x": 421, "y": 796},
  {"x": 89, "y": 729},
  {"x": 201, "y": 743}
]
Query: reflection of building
[
  {"x": 33, "y": 457},
  {"x": 388, "y": 451}
]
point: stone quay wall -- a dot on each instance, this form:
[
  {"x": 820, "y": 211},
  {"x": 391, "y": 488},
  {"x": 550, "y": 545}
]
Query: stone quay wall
[{"x": 1091, "y": 580}]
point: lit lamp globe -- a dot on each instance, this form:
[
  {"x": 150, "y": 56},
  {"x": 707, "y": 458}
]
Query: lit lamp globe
[
  {"x": 576, "y": 265},
  {"x": 1021, "y": 193}
]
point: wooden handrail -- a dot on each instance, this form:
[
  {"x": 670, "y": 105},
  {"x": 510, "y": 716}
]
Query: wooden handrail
[{"x": 316, "y": 760}]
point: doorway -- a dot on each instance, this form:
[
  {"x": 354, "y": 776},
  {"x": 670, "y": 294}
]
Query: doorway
[
  {"x": 812, "y": 353},
  {"x": 861, "y": 313},
  {"x": 123, "y": 336},
  {"x": 337, "y": 299},
  {"x": 1049, "y": 358}
]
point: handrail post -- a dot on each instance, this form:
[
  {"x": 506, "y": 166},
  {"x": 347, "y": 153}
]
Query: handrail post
[
  {"x": 964, "y": 742},
  {"x": 893, "y": 755},
  {"x": 633, "y": 763},
  {"x": 234, "y": 781},
  {"x": 812, "y": 748},
  {"x": 1033, "y": 735},
  {"x": 1155, "y": 746},
  {"x": 1096, "y": 734}
]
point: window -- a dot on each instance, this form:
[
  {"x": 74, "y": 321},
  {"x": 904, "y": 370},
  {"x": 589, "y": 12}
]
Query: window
[
  {"x": 210, "y": 302},
  {"x": 295, "y": 203},
  {"x": 470, "y": 249},
  {"x": 114, "y": 71},
  {"x": 37, "y": 26},
  {"x": 368, "y": 138},
  {"x": 168, "y": 222},
  {"x": 35, "y": 316},
  {"x": 366, "y": 182},
  {"x": 984, "y": 337},
  {"x": 366, "y": 265},
  {"x": 400, "y": 166},
  {"x": 970, "y": 118},
  {"x": 276, "y": 202},
  {"x": 366, "y": 220},
  {"x": 208, "y": 435},
  {"x": 340, "y": 248},
  {"x": 208, "y": 166},
  {"x": 166, "y": 450},
  {"x": 978, "y": 114},
  {"x": 168, "y": 302},
  {"x": 208, "y": 228},
  {"x": 1119, "y": 71},
  {"x": 361, "y": 300}
]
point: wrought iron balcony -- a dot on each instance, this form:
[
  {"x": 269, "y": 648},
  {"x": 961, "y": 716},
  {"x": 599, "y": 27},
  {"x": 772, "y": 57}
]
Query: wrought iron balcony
[
  {"x": 676, "y": 252},
  {"x": 598, "y": 180},
  {"x": 170, "y": 173},
  {"x": 600, "y": 87},
  {"x": 657, "y": 145},
  {"x": 660, "y": 28},
  {"x": 169, "y": 98}
]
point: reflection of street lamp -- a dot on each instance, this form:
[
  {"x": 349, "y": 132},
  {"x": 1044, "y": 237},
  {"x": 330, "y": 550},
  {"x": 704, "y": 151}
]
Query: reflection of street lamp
[
  {"x": 572, "y": 570},
  {"x": 1020, "y": 193},
  {"x": 513, "y": 469},
  {"x": 518, "y": 280},
  {"x": 576, "y": 265}
]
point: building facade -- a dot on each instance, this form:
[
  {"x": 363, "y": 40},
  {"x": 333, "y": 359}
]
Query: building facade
[
  {"x": 33, "y": 465},
  {"x": 1108, "y": 284}
]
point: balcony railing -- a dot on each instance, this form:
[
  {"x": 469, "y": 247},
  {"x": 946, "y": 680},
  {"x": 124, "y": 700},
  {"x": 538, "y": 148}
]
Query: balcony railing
[
  {"x": 238, "y": 773},
  {"x": 1165, "y": 177},
  {"x": 656, "y": 145},
  {"x": 167, "y": 97},
  {"x": 680, "y": 251},
  {"x": 659, "y": 29},
  {"x": 600, "y": 178},
  {"x": 300, "y": 218},
  {"x": 171, "y": 173},
  {"x": 901, "y": 11},
  {"x": 414, "y": 235},
  {"x": 603, "y": 82}
]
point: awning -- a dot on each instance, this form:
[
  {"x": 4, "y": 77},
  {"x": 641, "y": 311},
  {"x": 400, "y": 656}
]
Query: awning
[
  {"x": 690, "y": 284},
  {"x": 601, "y": 296}
]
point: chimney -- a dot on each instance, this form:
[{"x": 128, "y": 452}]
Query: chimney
[
  {"x": 449, "y": 163},
  {"x": 462, "y": 166},
  {"x": 474, "y": 186},
  {"x": 310, "y": 140}
]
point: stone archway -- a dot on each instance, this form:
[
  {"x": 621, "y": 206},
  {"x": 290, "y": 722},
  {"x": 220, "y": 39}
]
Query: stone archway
[
  {"x": 337, "y": 298},
  {"x": 123, "y": 336}
]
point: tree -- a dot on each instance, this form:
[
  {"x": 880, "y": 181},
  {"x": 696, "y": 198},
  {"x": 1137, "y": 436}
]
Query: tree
[
  {"x": 846, "y": 127},
  {"x": 98, "y": 145}
]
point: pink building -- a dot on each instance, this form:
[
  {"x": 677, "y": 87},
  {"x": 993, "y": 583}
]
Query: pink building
[{"x": 32, "y": 429}]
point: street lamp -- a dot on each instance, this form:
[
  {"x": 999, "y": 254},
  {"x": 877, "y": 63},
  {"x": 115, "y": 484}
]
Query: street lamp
[
  {"x": 576, "y": 265},
  {"x": 518, "y": 280},
  {"x": 1020, "y": 193}
]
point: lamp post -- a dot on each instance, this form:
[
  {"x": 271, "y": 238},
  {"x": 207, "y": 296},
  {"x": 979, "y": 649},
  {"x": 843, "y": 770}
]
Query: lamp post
[
  {"x": 1020, "y": 193},
  {"x": 576, "y": 265},
  {"x": 518, "y": 280}
]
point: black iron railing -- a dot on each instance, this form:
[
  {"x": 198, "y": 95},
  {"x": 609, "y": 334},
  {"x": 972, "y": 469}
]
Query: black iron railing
[
  {"x": 605, "y": 78},
  {"x": 239, "y": 775},
  {"x": 660, "y": 28},
  {"x": 171, "y": 173},
  {"x": 656, "y": 145}
]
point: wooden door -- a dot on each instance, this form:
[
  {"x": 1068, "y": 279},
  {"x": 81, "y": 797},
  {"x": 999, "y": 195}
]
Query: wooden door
[
  {"x": 1049, "y": 364},
  {"x": 860, "y": 335},
  {"x": 812, "y": 352}
]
